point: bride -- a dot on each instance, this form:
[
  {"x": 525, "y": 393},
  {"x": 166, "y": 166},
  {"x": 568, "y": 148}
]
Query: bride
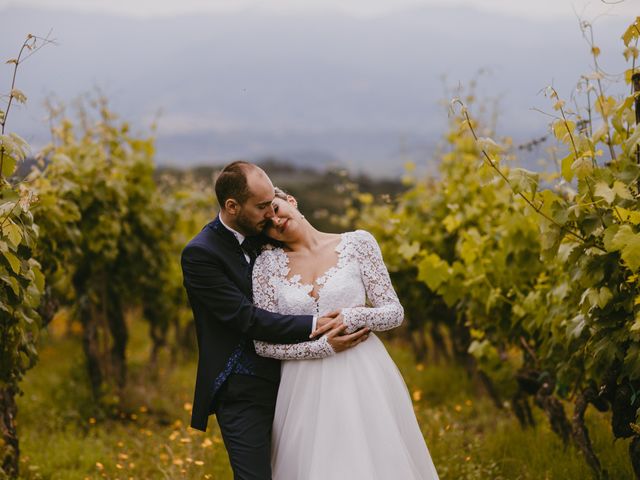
[{"x": 338, "y": 416}]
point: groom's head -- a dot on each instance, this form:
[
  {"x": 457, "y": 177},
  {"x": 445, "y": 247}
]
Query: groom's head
[{"x": 245, "y": 194}]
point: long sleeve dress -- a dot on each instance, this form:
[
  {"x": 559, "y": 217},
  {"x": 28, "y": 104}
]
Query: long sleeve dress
[{"x": 346, "y": 415}]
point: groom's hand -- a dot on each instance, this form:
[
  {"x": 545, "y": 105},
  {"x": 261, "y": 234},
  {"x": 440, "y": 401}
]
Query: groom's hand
[
  {"x": 327, "y": 323},
  {"x": 340, "y": 342}
]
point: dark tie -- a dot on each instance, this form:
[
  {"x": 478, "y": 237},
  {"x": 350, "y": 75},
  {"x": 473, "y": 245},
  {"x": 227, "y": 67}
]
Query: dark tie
[{"x": 248, "y": 247}]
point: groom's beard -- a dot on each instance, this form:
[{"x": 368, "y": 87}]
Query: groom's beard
[{"x": 249, "y": 228}]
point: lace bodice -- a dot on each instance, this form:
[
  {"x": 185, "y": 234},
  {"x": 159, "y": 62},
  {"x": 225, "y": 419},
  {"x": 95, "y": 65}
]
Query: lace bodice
[{"x": 358, "y": 276}]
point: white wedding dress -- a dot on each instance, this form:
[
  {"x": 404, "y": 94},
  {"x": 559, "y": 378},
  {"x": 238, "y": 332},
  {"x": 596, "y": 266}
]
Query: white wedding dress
[{"x": 348, "y": 415}]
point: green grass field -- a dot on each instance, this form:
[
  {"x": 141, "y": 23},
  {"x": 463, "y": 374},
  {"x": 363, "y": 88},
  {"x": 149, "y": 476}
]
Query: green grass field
[{"x": 65, "y": 436}]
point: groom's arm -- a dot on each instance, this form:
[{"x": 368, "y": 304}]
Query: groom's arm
[{"x": 209, "y": 287}]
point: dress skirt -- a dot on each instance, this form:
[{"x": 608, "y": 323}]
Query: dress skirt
[{"x": 348, "y": 416}]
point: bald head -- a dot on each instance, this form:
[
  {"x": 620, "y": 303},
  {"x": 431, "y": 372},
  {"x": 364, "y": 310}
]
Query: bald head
[{"x": 232, "y": 182}]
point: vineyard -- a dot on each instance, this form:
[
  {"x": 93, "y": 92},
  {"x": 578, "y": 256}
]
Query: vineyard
[{"x": 521, "y": 345}]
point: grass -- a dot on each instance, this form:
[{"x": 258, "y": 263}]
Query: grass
[{"x": 64, "y": 435}]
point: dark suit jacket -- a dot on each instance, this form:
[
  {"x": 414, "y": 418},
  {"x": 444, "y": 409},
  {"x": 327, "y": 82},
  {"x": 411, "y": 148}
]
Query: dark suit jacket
[{"x": 218, "y": 283}]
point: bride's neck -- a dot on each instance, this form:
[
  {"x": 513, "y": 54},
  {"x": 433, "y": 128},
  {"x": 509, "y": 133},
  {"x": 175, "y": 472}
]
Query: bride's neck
[{"x": 308, "y": 239}]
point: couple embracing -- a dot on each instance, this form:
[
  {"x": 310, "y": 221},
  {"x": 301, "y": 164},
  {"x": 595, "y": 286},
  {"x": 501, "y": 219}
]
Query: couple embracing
[{"x": 301, "y": 387}]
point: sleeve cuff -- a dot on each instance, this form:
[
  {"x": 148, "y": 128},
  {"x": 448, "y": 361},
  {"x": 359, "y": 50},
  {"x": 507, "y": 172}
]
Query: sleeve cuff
[
  {"x": 327, "y": 346},
  {"x": 352, "y": 320},
  {"x": 313, "y": 323}
]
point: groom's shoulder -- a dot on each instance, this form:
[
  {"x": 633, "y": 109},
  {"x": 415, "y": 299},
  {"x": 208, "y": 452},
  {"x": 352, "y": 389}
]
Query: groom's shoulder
[{"x": 206, "y": 239}]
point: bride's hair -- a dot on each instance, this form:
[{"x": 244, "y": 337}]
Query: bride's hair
[{"x": 281, "y": 194}]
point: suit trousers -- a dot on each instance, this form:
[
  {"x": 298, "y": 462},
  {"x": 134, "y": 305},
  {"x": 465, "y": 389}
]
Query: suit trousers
[{"x": 245, "y": 406}]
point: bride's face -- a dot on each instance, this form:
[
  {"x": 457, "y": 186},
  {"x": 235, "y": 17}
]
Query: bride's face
[{"x": 286, "y": 221}]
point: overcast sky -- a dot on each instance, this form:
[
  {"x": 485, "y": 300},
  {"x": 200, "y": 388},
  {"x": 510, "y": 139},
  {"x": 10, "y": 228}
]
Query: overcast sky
[
  {"x": 360, "y": 82},
  {"x": 537, "y": 8}
]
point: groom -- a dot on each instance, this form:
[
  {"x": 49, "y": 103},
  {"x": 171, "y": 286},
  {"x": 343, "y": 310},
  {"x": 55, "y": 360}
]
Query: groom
[{"x": 232, "y": 381}]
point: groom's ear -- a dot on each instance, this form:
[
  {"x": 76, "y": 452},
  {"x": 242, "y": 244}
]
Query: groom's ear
[{"x": 231, "y": 206}]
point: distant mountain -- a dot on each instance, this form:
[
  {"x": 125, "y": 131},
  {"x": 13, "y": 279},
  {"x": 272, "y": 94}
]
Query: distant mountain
[{"x": 316, "y": 90}]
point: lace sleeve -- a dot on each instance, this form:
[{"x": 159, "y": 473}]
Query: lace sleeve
[
  {"x": 265, "y": 274},
  {"x": 296, "y": 351},
  {"x": 263, "y": 278},
  {"x": 386, "y": 312}
]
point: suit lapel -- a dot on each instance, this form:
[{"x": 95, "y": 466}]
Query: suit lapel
[
  {"x": 235, "y": 259},
  {"x": 217, "y": 226}
]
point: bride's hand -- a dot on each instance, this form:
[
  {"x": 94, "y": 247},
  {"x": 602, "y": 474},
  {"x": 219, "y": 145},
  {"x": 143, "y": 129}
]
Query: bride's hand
[
  {"x": 340, "y": 342},
  {"x": 326, "y": 323}
]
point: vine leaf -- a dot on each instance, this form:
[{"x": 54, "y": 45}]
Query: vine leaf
[
  {"x": 625, "y": 240},
  {"x": 433, "y": 271},
  {"x": 631, "y": 33},
  {"x": 567, "y": 172},
  {"x": 409, "y": 250},
  {"x": 523, "y": 180},
  {"x": 13, "y": 233},
  {"x": 631, "y": 216},
  {"x": 14, "y": 261},
  {"x": 19, "y": 96},
  {"x": 605, "y": 191}
]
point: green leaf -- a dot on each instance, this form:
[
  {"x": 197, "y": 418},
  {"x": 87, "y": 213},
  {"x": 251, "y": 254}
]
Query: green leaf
[
  {"x": 550, "y": 235},
  {"x": 604, "y": 191},
  {"x": 469, "y": 249},
  {"x": 562, "y": 130},
  {"x": 622, "y": 190},
  {"x": 631, "y": 33},
  {"x": 490, "y": 146},
  {"x": 523, "y": 180},
  {"x": 567, "y": 172},
  {"x": 451, "y": 222},
  {"x": 14, "y": 261},
  {"x": 13, "y": 283},
  {"x": 631, "y": 254},
  {"x": 13, "y": 233},
  {"x": 600, "y": 133},
  {"x": 559, "y": 213},
  {"x": 38, "y": 279},
  {"x": 604, "y": 297},
  {"x": 609, "y": 236},
  {"x": 20, "y": 142},
  {"x": 622, "y": 236},
  {"x": 576, "y": 326},
  {"x": 8, "y": 165},
  {"x": 14, "y": 147},
  {"x": 628, "y": 243},
  {"x": 565, "y": 249},
  {"x": 631, "y": 216},
  {"x": 408, "y": 251},
  {"x": 582, "y": 166},
  {"x": 433, "y": 271},
  {"x": 479, "y": 348},
  {"x": 633, "y": 141},
  {"x": 19, "y": 95}
]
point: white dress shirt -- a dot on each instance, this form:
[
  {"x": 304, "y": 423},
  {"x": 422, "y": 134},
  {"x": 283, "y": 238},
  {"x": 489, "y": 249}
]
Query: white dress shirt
[{"x": 240, "y": 237}]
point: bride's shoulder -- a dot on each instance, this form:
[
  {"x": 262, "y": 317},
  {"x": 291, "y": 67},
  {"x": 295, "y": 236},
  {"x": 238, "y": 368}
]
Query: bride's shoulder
[
  {"x": 361, "y": 237},
  {"x": 270, "y": 256},
  {"x": 360, "y": 234}
]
